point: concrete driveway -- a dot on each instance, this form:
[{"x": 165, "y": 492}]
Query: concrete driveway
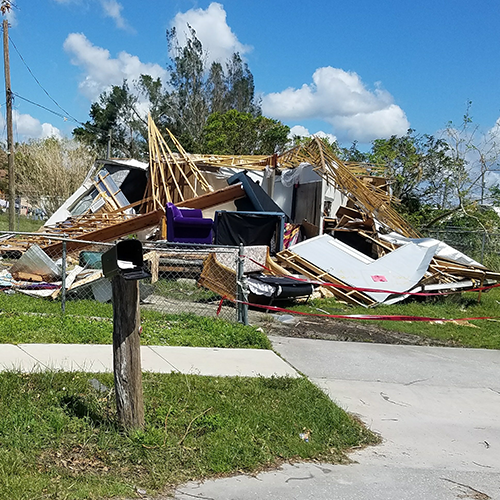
[{"x": 437, "y": 409}]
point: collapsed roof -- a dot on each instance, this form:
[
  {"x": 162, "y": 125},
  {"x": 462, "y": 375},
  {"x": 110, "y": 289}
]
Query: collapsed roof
[{"x": 367, "y": 244}]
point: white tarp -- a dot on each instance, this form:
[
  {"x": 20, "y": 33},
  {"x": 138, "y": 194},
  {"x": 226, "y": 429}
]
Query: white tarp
[{"x": 398, "y": 271}]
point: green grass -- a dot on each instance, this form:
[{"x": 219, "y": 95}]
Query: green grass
[
  {"x": 26, "y": 319},
  {"x": 59, "y": 438},
  {"x": 476, "y": 333},
  {"x": 22, "y": 223},
  {"x": 184, "y": 290}
]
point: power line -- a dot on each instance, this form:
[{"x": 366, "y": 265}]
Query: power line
[
  {"x": 40, "y": 85},
  {"x": 45, "y": 108},
  {"x": 64, "y": 117}
]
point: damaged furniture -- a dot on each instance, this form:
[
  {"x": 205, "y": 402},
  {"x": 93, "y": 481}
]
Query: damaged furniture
[
  {"x": 265, "y": 280},
  {"x": 187, "y": 225},
  {"x": 250, "y": 228},
  {"x": 266, "y": 288}
]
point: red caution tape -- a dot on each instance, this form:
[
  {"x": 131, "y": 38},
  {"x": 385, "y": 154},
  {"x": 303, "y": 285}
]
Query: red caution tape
[
  {"x": 377, "y": 290},
  {"x": 220, "y": 306},
  {"x": 371, "y": 317}
]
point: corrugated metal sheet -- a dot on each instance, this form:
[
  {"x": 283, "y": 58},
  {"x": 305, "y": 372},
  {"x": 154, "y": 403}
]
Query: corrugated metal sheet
[{"x": 36, "y": 261}]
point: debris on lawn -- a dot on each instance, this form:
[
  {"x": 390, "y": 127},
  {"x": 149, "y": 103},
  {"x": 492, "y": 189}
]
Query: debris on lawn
[{"x": 308, "y": 222}]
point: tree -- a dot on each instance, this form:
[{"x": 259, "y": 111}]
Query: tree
[
  {"x": 240, "y": 87},
  {"x": 198, "y": 91},
  {"x": 475, "y": 156},
  {"x": 237, "y": 133},
  {"x": 48, "y": 171},
  {"x": 419, "y": 165},
  {"x": 114, "y": 121},
  {"x": 194, "y": 91},
  {"x": 188, "y": 101},
  {"x": 351, "y": 154},
  {"x": 494, "y": 195},
  {"x": 217, "y": 89}
]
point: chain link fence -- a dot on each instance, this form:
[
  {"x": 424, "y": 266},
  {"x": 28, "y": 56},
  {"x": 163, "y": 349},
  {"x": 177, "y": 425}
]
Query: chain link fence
[
  {"x": 481, "y": 245},
  {"x": 185, "y": 278}
]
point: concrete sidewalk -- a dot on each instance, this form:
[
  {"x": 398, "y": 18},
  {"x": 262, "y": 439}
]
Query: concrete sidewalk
[
  {"x": 159, "y": 359},
  {"x": 437, "y": 410}
]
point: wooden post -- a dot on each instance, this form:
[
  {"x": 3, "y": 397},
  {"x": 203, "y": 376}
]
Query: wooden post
[{"x": 127, "y": 353}]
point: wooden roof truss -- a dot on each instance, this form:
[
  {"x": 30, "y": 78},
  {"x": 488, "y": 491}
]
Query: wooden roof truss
[{"x": 172, "y": 177}]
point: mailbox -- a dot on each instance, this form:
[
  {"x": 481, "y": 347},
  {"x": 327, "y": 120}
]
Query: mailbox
[{"x": 125, "y": 259}]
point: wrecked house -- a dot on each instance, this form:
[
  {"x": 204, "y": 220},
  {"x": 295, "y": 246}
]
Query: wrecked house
[{"x": 310, "y": 221}]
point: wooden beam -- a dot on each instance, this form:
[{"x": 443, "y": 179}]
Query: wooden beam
[
  {"x": 127, "y": 353},
  {"x": 109, "y": 233},
  {"x": 215, "y": 198}
]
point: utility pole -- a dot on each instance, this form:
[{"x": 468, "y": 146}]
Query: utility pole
[
  {"x": 108, "y": 152},
  {"x": 10, "y": 139}
]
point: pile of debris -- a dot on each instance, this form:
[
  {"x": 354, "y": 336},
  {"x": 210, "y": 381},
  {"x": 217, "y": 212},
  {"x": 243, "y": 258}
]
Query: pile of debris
[{"x": 318, "y": 218}]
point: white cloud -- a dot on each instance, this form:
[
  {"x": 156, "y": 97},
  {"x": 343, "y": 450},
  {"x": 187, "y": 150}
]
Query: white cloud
[
  {"x": 299, "y": 130},
  {"x": 113, "y": 9},
  {"x": 494, "y": 133},
  {"x": 212, "y": 30},
  {"x": 101, "y": 71},
  {"x": 379, "y": 124},
  {"x": 27, "y": 127},
  {"x": 110, "y": 8},
  {"x": 341, "y": 99}
]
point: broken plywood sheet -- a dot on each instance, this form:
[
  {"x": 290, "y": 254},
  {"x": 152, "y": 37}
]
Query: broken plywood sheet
[{"x": 397, "y": 271}]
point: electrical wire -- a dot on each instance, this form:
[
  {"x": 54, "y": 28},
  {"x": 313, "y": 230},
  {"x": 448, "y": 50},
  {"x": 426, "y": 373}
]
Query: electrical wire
[
  {"x": 66, "y": 116},
  {"x": 40, "y": 85},
  {"x": 45, "y": 108}
]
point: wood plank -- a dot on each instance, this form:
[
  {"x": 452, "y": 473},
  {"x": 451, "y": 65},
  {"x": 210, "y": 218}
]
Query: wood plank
[
  {"x": 215, "y": 198},
  {"x": 89, "y": 279},
  {"x": 22, "y": 276},
  {"x": 70, "y": 279},
  {"x": 153, "y": 257},
  {"x": 109, "y": 233}
]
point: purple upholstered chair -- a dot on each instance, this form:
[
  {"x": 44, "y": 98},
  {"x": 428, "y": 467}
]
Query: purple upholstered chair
[{"x": 187, "y": 225}]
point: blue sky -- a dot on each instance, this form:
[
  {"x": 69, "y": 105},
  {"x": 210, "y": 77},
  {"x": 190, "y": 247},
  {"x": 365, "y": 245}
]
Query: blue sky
[{"x": 355, "y": 70}]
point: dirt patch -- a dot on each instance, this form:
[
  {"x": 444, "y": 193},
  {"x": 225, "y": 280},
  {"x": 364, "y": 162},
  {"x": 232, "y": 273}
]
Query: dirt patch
[{"x": 345, "y": 331}]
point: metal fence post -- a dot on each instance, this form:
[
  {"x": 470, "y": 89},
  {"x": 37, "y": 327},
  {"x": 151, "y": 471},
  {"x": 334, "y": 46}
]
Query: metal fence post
[
  {"x": 483, "y": 245},
  {"x": 242, "y": 296},
  {"x": 63, "y": 284}
]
